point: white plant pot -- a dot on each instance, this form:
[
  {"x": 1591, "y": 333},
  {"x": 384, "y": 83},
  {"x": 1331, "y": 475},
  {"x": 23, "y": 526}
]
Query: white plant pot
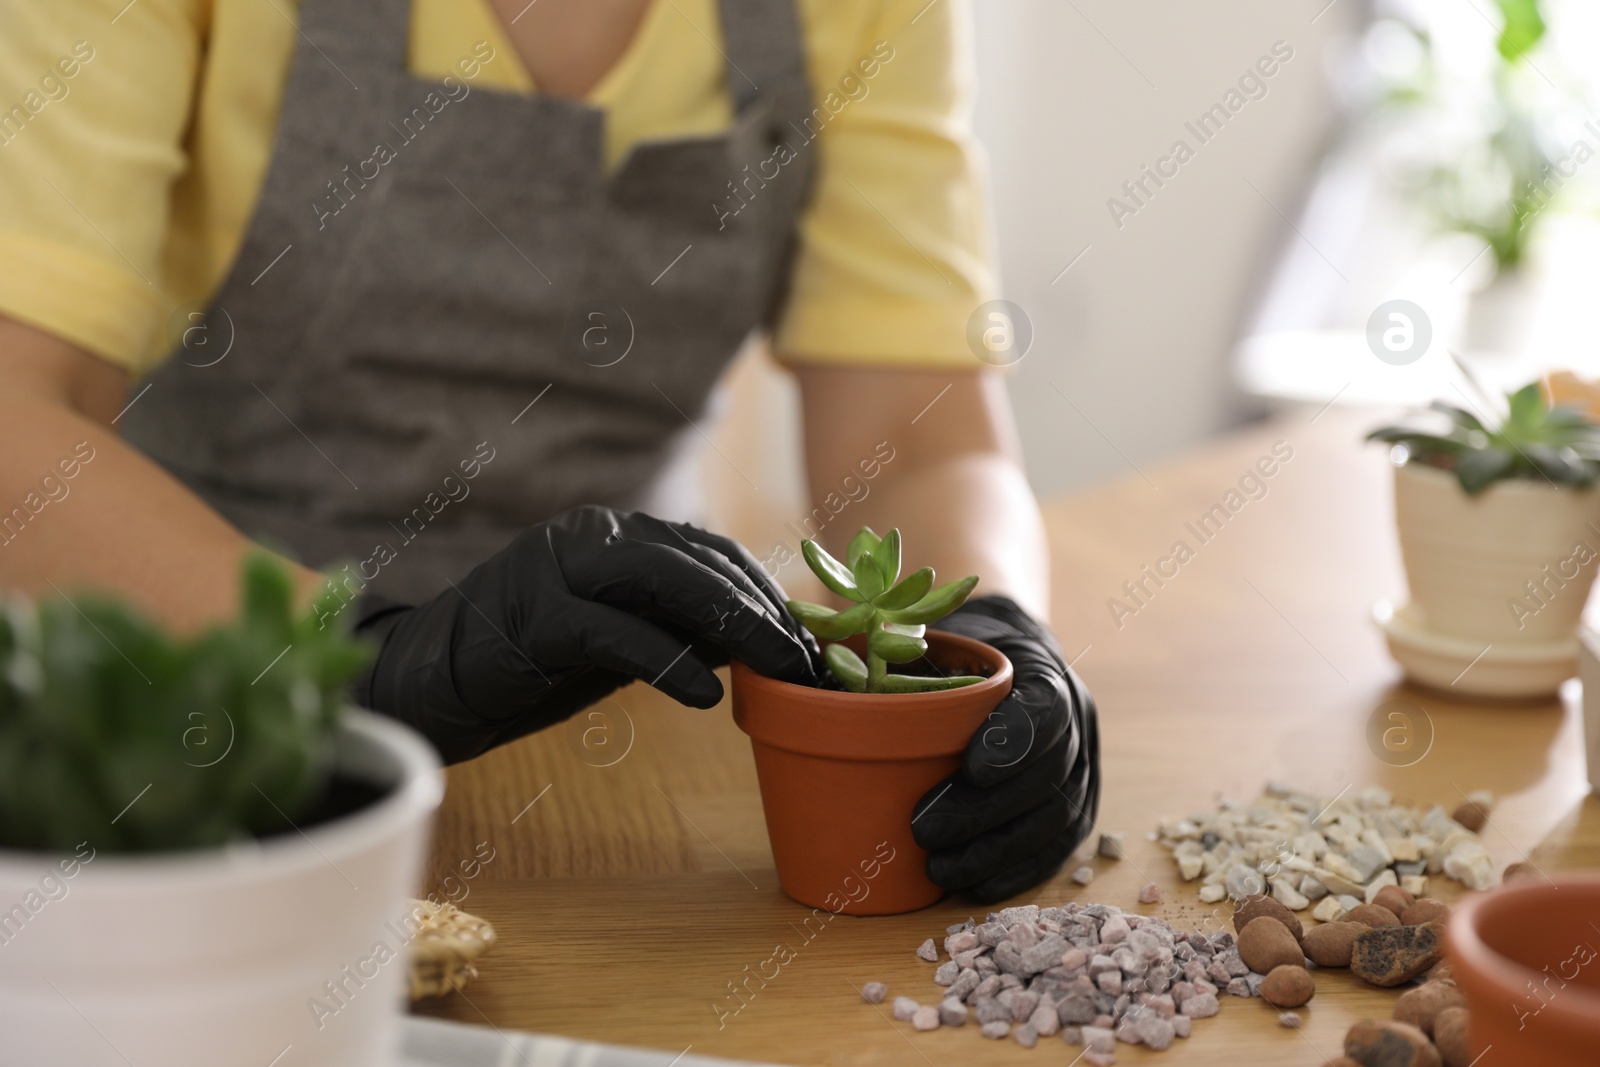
[
  {"x": 1498, "y": 581},
  {"x": 1501, "y": 315},
  {"x": 217, "y": 957}
]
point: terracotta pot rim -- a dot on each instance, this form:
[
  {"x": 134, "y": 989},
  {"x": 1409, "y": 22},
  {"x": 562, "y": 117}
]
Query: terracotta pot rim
[
  {"x": 835, "y": 724},
  {"x": 937, "y": 698},
  {"x": 1502, "y": 488},
  {"x": 1579, "y": 1006}
]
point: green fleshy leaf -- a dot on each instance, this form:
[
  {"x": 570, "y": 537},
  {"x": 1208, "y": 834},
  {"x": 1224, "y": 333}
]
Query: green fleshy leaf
[
  {"x": 907, "y": 591},
  {"x": 911, "y": 683},
  {"x": 1476, "y": 471},
  {"x": 830, "y": 625},
  {"x": 895, "y": 648},
  {"x": 937, "y": 604},
  {"x": 862, "y": 543},
  {"x": 887, "y": 557},
  {"x": 831, "y": 571},
  {"x": 847, "y": 667},
  {"x": 868, "y": 578}
]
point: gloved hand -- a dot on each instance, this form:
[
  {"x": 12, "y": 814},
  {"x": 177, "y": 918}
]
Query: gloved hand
[
  {"x": 572, "y": 609},
  {"x": 1029, "y": 786}
]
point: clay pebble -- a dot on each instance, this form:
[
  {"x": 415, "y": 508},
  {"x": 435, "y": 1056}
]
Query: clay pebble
[
  {"x": 1394, "y": 899},
  {"x": 1521, "y": 869},
  {"x": 1450, "y": 1037},
  {"x": 1472, "y": 815},
  {"x": 1255, "y": 907},
  {"x": 874, "y": 992},
  {"x": 1265, "y": 943},
  {"x": 1426, "y": 910},
  {"x": 1328, "y": 945},
  {"x": 1420, "y": 1007},
  {"x": 1389, "y": 1044},
  {"x": 1288, "y": 986},
  {"x": 1371, "y": 915},
  {"x": 1392, "y": 955}
]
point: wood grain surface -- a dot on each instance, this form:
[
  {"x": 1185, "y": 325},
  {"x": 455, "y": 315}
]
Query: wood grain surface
[{"x": 628, "y": 896}]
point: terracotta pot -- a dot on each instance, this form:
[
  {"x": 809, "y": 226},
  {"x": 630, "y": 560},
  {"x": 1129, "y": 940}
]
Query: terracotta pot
[
  {"x": 1527, "y": 957},
  {"x": 841, "y": 774},
  {"x": 1498, "y": 582}
]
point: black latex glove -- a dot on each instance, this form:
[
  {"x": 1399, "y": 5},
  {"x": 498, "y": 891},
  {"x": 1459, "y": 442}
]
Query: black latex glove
[
  {"x": 572, "y": 609},
  {"x": 1029, "y": 786}
]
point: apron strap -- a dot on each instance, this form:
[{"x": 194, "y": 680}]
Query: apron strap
[
  {"x": 764, "y": 48},
  {"x": 378, "y": 30}
]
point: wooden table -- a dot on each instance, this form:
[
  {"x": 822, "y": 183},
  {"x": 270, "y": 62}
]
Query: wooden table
[{"x": 629, "y": 896}]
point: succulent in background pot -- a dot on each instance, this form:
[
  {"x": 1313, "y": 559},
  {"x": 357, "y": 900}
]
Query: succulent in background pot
[
  {"x": 198, "y": 843},
  {"x": 842, "y": 769},
  {"x": 1499, "y": 526}
]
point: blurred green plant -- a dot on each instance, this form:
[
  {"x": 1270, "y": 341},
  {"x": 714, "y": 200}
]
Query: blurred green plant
[
  {"x": 892, "y": 611},
  {"x": 115, "y": 732},
  {"x": 1533, "y": 441},
  {"x": 1496, "y": 187}
]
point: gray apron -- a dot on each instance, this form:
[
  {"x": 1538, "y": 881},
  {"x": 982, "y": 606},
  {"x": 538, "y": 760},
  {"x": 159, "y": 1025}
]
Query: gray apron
[{"x": 373, "y": 408}]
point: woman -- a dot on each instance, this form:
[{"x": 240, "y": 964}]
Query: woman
[{"x": 435, "y": 289}]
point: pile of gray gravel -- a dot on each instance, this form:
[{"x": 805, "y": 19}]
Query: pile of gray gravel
[{"x": 1092, "y": 973}]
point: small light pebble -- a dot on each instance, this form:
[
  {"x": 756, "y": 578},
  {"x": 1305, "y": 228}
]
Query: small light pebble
[
  {"x": 952, "y": 1012},
  {"x": 947, "y": 973},
  {"x": 1099, "y": 1059},
  {"x": 1110, "y": 845},
  {"x": 904, "y": 1008},
  {"x": 995, "y": 1030},
  {"x": 925, "y": 1018},
  {"x": 928, "y": 951},
  {"x": 1083, "y": 875},
  {"x": 1291, "y": 1019},
  {"x": 1026, "y": 1035},
  {"x": 1149, "y": 893},
  {"x": 874, "y": 992}
]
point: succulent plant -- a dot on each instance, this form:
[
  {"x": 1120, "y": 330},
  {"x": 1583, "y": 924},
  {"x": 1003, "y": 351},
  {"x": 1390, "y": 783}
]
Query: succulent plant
[
  {"x": 115, "y": 732},
  {"x": 1533, "y": 441},
  {"x": 892, "y": 611}
]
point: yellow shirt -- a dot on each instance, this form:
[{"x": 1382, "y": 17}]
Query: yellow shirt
[{"x": 134, "y": 139}]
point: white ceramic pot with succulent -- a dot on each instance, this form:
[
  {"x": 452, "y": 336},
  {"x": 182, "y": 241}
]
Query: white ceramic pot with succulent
[
  {"x": 201, "y": 862},
  {"x": 1499, "y": 527}
]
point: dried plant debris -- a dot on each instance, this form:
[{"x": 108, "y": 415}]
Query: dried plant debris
[
  {"x": 1328, "y": 854},
  {"x": 1093, "y": 974}
]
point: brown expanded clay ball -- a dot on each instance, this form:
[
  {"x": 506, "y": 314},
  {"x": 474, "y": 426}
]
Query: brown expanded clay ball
[
  {"x": 1389, "y": 1044},
  {"x": 1519, "y": 870},
  {"x": 1389, "y": 956},
  {"x": 1288, "y": 986},
  {"x": 1341, "y": 1061},
  {"x": 1421, "y": 1006},
  {"x": 1328, "y": 945},
  {"x": 1258, "y": 905},
  {"x": 1265, "y": 943},
  {"x": 1395, "y": 899},
  {"x": 1450, "y": 1037},
  {"x": 1371, "y": 915},
  {"x": 1425, "y": 910},
  {"x": 1472, "y": 815}
]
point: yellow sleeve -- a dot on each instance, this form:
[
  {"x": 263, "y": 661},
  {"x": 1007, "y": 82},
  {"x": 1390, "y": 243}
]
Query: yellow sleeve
[
  {"x": 895, "y": 249},
  {"x": 94, "y": 100}
]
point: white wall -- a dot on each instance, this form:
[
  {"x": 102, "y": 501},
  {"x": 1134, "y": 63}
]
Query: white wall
[{"x": 1074, "y": 98}]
